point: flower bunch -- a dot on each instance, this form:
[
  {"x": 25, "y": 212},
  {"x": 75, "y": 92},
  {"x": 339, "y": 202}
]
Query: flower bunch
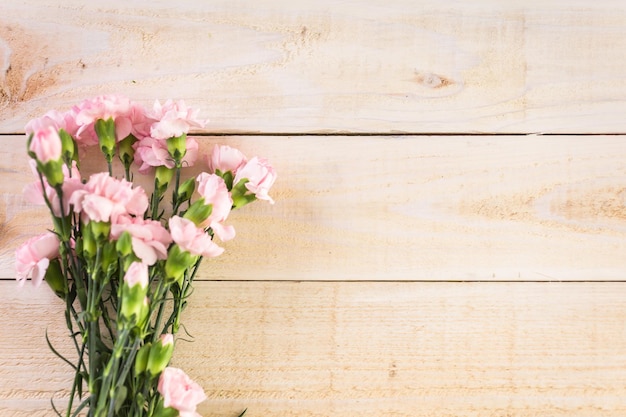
[{"x": 122, "y": 260}]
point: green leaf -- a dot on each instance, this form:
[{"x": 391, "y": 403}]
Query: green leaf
[{"x": 58, "y": 354}]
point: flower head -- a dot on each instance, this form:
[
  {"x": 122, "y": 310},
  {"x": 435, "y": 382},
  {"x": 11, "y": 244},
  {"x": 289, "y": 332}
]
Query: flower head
[
  {"x": 260, "y": 175},
  {"x": 33, "y": 257},
  {"x": 148, "y": 237},
  {"x": 151, "y": 152},
  {"x": 46, "y": 144},
  {"x": 55, "y": 119},
  {"x": 173, "y": 119},
  {"x": 180, "y": 392},
  {"x": 105, "y": 107},
  {"x": 213, "y": 189},
  {"x": 224, "y": 158},
  {"x": 105, "y": 198},
  {"x": 192, "y": 239}
]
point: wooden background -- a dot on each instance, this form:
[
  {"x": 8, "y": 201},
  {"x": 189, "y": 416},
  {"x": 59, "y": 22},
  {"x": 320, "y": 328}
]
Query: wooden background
[{"x": 449, "y": 234}]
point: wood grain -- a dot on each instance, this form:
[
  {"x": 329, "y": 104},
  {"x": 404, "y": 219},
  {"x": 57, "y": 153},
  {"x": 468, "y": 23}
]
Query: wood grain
[
  {"x": 326, "y": 66},
  {"x": 406, "y": 208},
  {"x": 365, "y": 349}
]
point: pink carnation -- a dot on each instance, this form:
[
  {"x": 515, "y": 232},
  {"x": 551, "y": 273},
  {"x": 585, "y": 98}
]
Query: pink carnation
[
  {"x": 214, "y": 191},
  {"x": 54, "y": 118},
  {"x": 173, "y": 119},
  {"x": 180, "y": 392},
  {"x": 151, "y": 152},
  {"x": 33, "y": 257},
  {"x": 226, "y": 159},
  {"x": 34, "y": 192},
  {"x": 46, "y": 144},
  {"x": 192, "y": 239},
  {"x": 105, "y": 198},
  {"x": 149, "y": 239},
  {"x": 260, "y": 175},
  {"x": 105, "y": 107},
  {"x": 141, "y": 123}
]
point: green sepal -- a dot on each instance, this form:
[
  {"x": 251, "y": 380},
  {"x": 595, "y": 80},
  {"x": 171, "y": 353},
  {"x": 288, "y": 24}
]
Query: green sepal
[
  {"x": 141, "y": 359},
  {"x": 124, "y": 244},
  {"x": 177, "y": 147},
  {"x": 186, "y": 189},
  {"x": 240, "y": 194},
  {"x": 162, "y": 177},
  {"x": 134, "y": 308},
  {"x": 227, "y": 176},
  {"x": 53, "y": 171},
  {"x": 68, "y": 148},
  {"x": 55, "y": 278},
  {"x": 178, "y": 261},
  {"x": 105, "y": 129},
  {"x": 198, "y": 212},
  {"x": 126, "y": 153}
]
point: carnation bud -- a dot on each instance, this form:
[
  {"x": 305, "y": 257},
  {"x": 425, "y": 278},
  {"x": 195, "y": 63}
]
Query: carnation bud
[
  {"x": 160, "y": 354},
  {"x": 105, "y": 129},
  {"x": 141, "y": 359},
  {"x": 134, "y": 290},
  {"x": 198, "y": 212},
  {"x": 186, "y": 189},
  {"x": 162, "y": 178},
  {"x": 177, "y": 147}
]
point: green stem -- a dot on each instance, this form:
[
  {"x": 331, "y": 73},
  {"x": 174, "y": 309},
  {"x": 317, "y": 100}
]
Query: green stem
[{"x": 175, "y": 202}]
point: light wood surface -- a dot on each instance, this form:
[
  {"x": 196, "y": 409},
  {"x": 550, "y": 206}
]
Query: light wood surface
[
  {"x": 329, "y": 65},
  {"x": 408, "y": 208},
  {"x": 366, "y": 349},
  {"x": 399, "y": 273}
]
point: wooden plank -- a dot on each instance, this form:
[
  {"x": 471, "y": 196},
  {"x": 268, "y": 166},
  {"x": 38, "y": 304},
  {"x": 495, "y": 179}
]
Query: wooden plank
[
  {"x": 364, "y": 349},
  {"x": 406, "y": 208},
  {"x": 301, "y": 66}
]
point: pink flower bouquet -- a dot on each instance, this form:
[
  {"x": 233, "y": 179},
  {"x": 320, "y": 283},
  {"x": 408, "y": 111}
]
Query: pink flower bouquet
[{"x": 122, "y": 260}]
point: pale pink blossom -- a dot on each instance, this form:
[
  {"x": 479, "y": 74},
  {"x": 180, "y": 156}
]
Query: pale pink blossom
[
  {"x": 105, "y": 107},
  {"x": 105, "y": 198},
  {"x": 173, "y": 119},
  {"x": 137, "y": 274},
  {"x": 214, "y": 191},
  {"x": 151, "y": 152},
  {"x": 54, "y": 118},
  {"x": 192, "y": 239},
  {"x": 34, "y": 193},
  {"x": 141, "y": 122},
  {"x": 180, "y": 392},
  {"x": 226, "y": 159},
  {"x": 46, "y": 144},
  {"x": 260, "y": 175},
  {"x": 149, "y": 239},
  {"x": 33, "y": 257}
]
